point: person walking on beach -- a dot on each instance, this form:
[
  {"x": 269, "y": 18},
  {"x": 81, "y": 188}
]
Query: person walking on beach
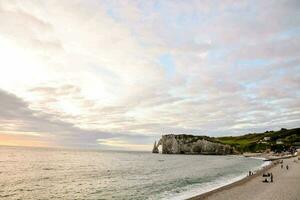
[
  {"x": 271, "y": 177},
  {"x": 281, "y": 166},
  {"x": 287, "y": 167}
]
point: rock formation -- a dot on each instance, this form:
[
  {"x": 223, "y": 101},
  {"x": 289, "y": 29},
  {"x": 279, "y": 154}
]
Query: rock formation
[
  {"x": 155, "y": 148},
  {"x": 189, "y": 144}
]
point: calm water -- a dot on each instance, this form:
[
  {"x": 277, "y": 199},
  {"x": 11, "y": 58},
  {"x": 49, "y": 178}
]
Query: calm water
[{"x": 33, "y": 173}]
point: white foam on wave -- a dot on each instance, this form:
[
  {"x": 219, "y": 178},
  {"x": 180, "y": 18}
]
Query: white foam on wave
[
  {"x": 264, "y": 164},
  {"x": 204, "y": 187},
  {"x": 210, "y": 186}
]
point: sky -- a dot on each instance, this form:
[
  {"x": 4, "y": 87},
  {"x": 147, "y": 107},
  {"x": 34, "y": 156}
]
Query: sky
[{"x": 119, "y": 74}]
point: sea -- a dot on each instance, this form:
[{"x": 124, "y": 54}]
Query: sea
[{"x": 47, "y": 173}]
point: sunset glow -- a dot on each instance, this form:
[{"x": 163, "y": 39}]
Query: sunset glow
[
  {"x": 14, "y": 140},
  {"x": 117, "y": 74}
]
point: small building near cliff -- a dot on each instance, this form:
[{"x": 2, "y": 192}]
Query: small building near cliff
[
  {"x": 279, "y": 141},
  {"x": 296, "y": 145}
]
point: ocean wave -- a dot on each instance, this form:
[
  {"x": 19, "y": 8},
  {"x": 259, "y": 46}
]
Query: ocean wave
[{"x": 218, "y": 182}]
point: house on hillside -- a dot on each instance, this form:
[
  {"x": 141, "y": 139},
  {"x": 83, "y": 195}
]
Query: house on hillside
[
  {"x": 264, "y": 140},
  {"x": 279, "y": 141},
  {"x": 296, "y": 145}
]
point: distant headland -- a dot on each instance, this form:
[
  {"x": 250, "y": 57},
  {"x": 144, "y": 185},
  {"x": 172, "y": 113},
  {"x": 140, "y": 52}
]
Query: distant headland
[{"x": 276, "y": 141}]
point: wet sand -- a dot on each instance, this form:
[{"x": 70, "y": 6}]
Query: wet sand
[{"x": 286, "y": 185}]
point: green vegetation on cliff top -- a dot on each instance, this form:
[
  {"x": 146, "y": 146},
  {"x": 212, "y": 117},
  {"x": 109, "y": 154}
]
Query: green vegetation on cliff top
[
  {"x": 254, "y": 142},
  {"x": 259, "y": 142}
]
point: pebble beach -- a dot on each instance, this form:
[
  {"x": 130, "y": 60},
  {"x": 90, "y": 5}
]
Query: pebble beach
[{"x": 285, "y": 185}]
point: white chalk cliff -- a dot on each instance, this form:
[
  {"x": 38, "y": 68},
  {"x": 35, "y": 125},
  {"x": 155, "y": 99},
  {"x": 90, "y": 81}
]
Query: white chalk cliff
[{"x": 189, "y": 144}]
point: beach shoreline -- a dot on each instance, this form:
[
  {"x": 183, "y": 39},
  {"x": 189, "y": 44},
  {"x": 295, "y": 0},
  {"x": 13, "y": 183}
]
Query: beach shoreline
[{"x": 241, "y": 182}]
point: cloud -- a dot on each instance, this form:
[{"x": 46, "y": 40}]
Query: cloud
[
  {"x": 27, "y": 30},
  {"x": 280, "y": 49},
  {"x": 16, "y": 118},
  {"x": 97, "y": 71}
]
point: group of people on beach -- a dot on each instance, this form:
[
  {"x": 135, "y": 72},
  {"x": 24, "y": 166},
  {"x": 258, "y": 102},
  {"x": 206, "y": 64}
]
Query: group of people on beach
[
  {"x": 268, "y": 175},
  {"x": 287, "y": 166}
]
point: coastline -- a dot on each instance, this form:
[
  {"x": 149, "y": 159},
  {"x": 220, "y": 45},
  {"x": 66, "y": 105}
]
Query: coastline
[
  {"x": 241, "y": 186},
  {"x": 258, "y": 172}
]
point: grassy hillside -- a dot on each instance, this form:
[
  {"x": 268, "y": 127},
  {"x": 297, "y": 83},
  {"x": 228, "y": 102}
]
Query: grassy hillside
[{"x": 258, "y": 142}]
